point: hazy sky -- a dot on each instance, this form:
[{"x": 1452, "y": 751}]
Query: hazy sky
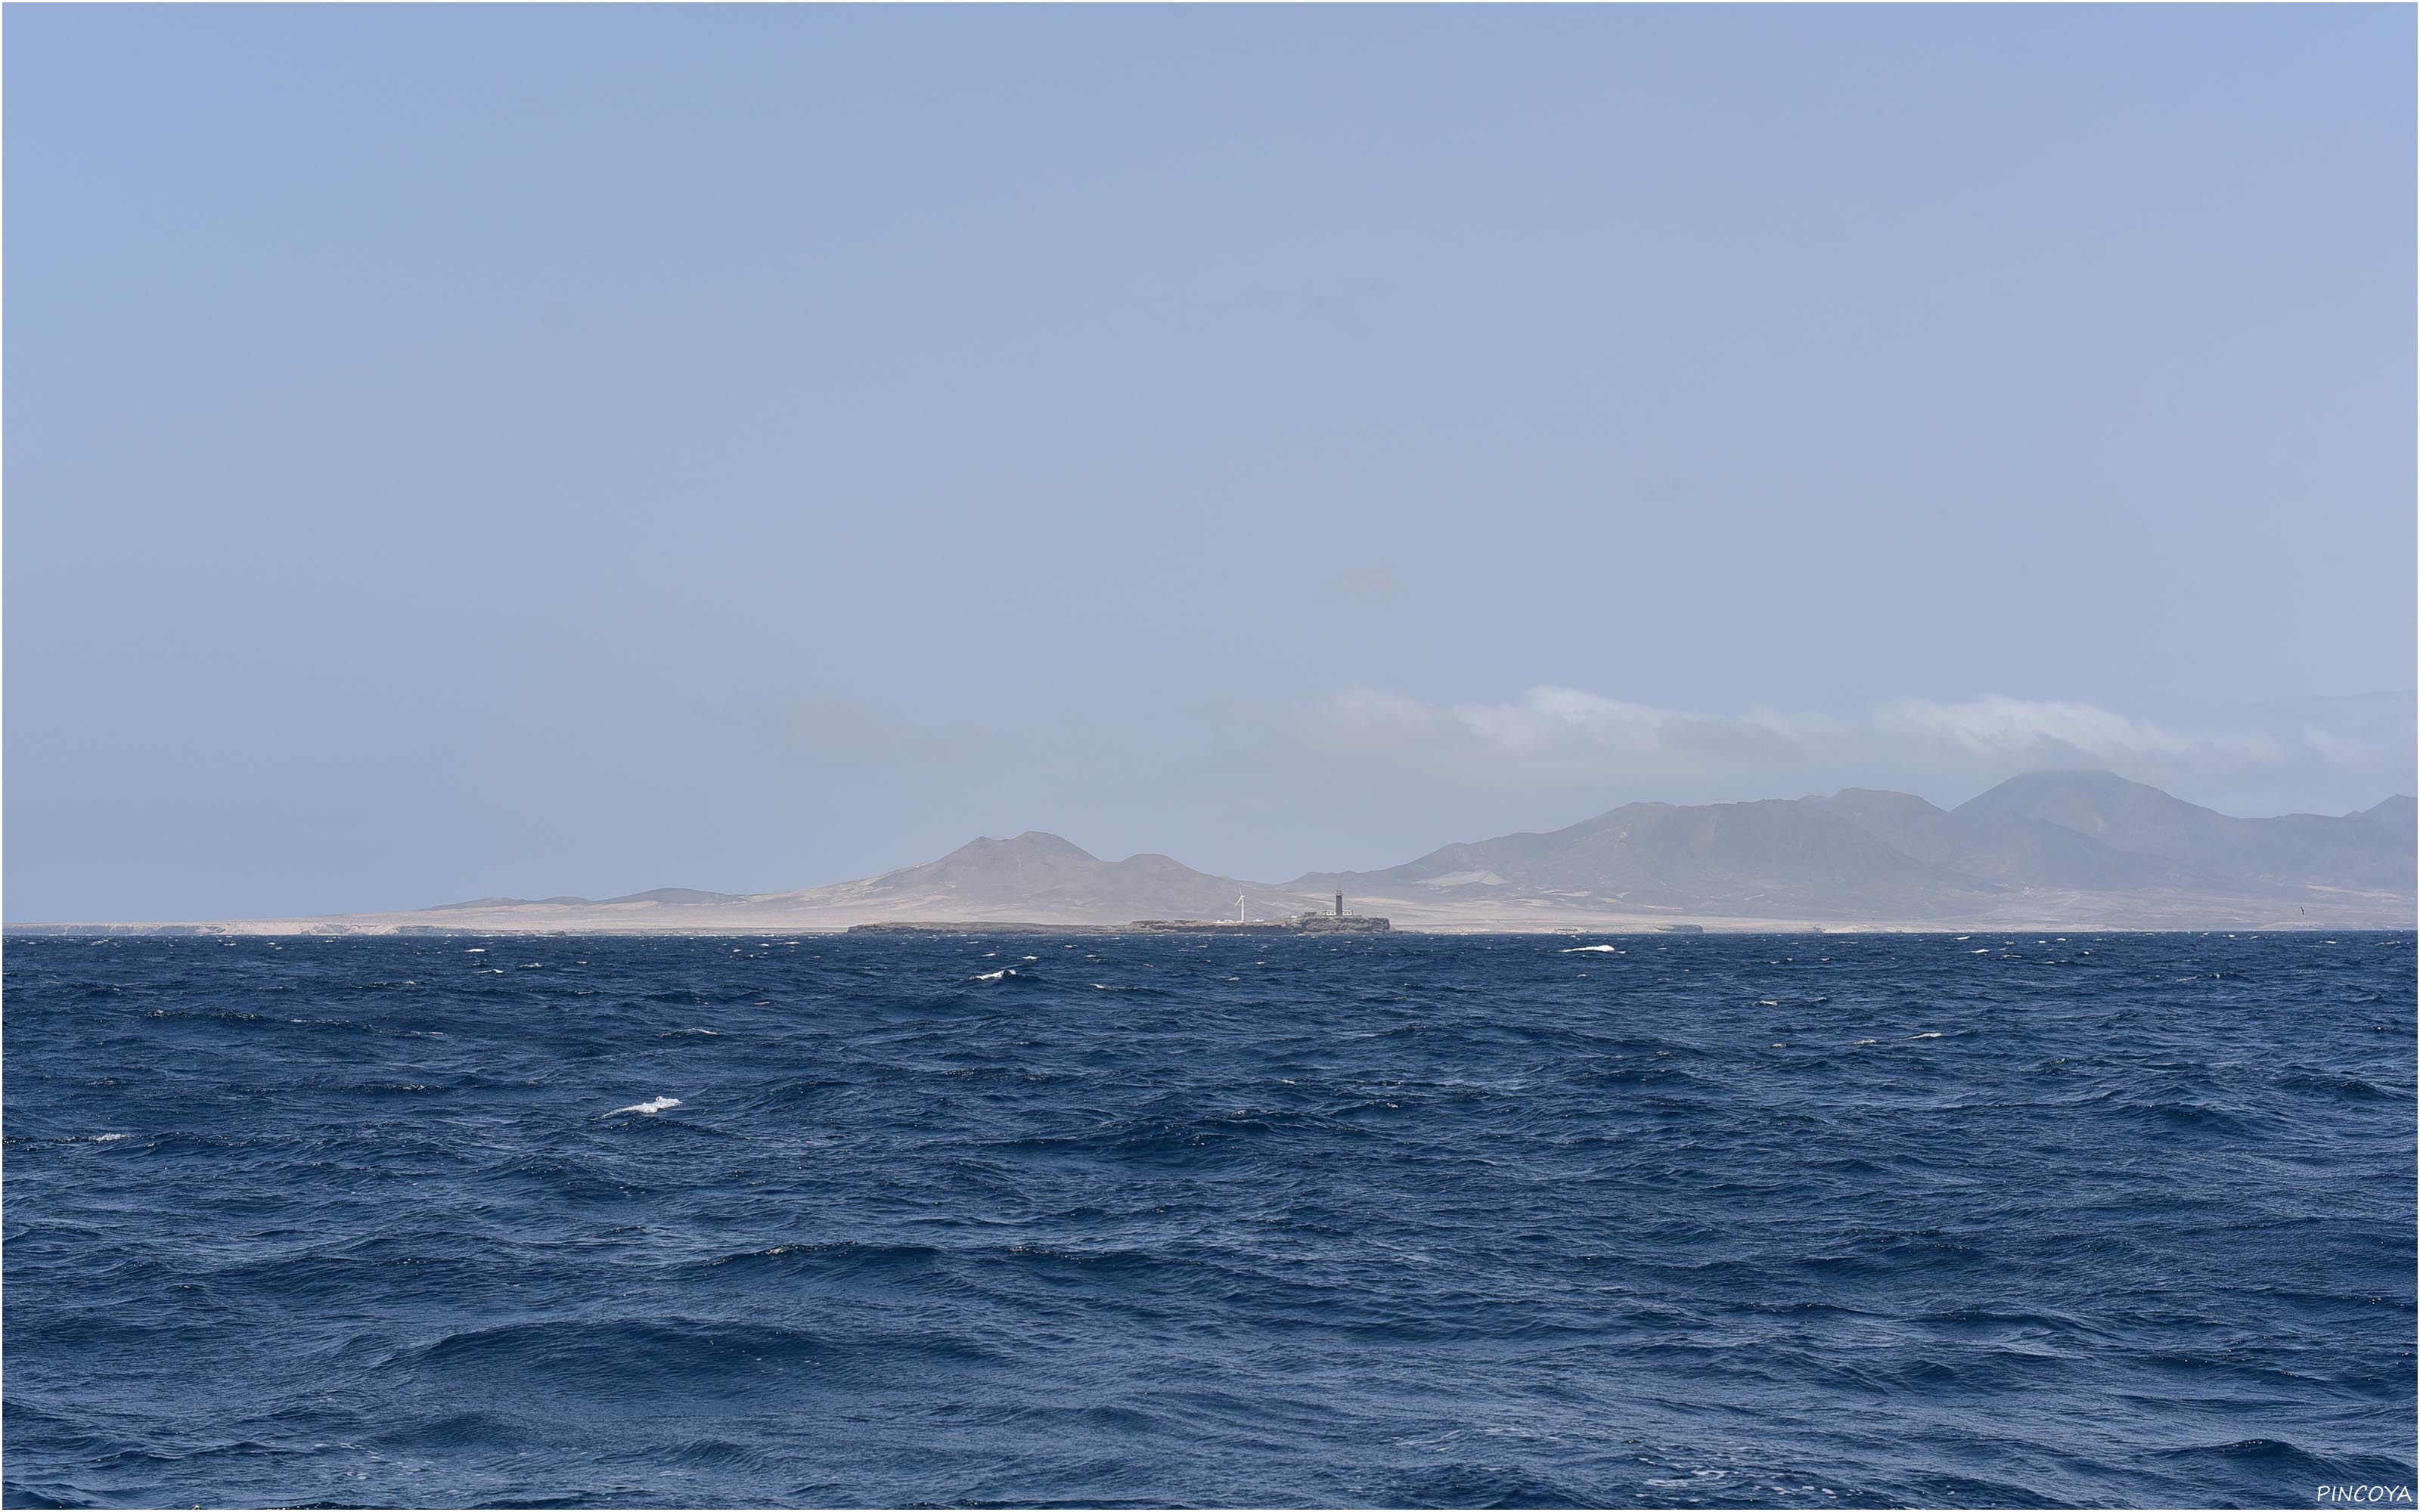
[{"x": 455, "y": 451}]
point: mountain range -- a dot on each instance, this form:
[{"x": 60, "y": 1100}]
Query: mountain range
[
  {"x": 2067, "y": 849},
  {"x": 2049, "y": 846}
]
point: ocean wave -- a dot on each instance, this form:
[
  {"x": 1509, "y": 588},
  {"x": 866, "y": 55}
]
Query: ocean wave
[
  {"x": 1152, "y": 1234},
  {"x": 650, "y": 1107}
]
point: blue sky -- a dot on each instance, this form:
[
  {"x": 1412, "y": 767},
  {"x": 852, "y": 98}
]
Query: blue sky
[{"x": 453, "y": 451}]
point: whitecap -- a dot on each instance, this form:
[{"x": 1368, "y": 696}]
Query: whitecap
[
  {"x": 1584, "y": 950},
  {"x": 650, "y": 1107},
  {"x": 1928, "y": 1035},
  {"x": 1002, "y": 975}
]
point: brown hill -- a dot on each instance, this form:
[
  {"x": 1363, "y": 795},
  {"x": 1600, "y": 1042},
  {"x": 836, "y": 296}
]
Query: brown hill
[{"x": 1040, "y": 877}]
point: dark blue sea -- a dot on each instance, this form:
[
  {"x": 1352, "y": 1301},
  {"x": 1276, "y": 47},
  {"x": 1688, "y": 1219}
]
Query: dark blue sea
[{"x": 1799, "y": 1221}]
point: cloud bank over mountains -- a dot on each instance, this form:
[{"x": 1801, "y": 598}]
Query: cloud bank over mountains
[{"x": 1559, "y": 734}]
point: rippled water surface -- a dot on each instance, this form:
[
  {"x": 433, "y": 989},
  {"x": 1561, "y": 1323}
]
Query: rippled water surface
[{"x": 1806, "y": 1221}]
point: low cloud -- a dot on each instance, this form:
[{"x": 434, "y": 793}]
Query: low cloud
[
  {"x": 1547, "y": 726},
  {"x": 1555, "y": 735},
  {"x": 2005, "y": 729}
]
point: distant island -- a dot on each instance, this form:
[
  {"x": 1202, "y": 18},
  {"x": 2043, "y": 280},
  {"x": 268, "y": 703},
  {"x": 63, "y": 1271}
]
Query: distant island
[{"x": 2067, "y": 850}]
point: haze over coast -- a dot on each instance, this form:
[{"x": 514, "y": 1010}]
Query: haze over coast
[
  {"x": 2052, "y": 850},
  {"x": 755, "y": 447}
]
